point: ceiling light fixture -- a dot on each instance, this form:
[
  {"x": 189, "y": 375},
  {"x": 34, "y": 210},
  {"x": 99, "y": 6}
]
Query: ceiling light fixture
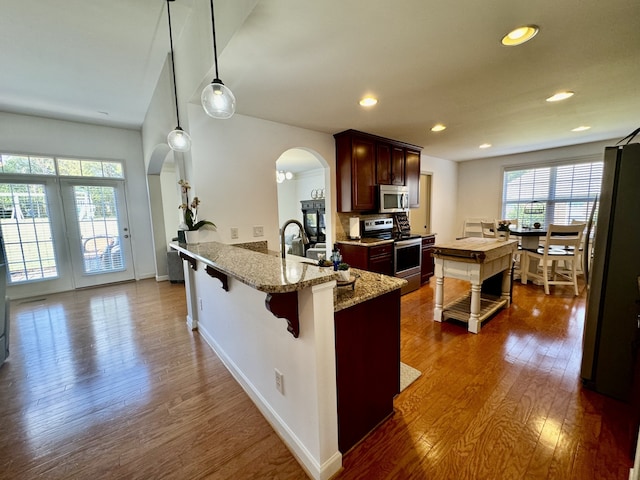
[
  {"x": 438, "y": 127},
  {"x": 560, "y": 96},
  {"x": 178, "y": 139},
  {"x": 217, "y": 100},
  {"x": 485, "y": 145},
  {"x": 520, "y": 35},
  {"x": 281, "y": 176},
  {"x": 581, "y": 128},
  {"x": 368, "y": 101}
]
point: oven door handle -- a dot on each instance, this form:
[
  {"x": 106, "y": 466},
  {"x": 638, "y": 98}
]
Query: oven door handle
[{"x": 407, "y": 243}]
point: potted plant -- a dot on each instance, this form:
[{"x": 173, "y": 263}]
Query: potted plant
[
  {"x": 344, "y": 271},
  {"x": 503, "y": 230},
  {"x": 190, "y": 214}
]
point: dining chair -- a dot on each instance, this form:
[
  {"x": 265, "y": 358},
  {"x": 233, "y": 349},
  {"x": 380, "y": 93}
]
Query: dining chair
[
  {"x": 488, "y": 229},
  {"x": 517, "y": 260},
  {"x": 562, "y": 244}
]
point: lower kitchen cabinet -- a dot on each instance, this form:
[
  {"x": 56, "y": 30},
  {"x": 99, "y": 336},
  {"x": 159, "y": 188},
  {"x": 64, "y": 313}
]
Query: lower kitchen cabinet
[
  {"x": 427, "y": 258},
  {"x": 367, "y": 365},
  {"x": 375, "y": 258}
]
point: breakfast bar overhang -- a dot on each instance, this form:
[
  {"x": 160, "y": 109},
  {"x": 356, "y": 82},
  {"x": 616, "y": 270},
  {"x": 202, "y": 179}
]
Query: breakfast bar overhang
[{"x": 474, "y": 260}]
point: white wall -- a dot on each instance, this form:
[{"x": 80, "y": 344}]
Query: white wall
[
  {"x": 233, "y": 171},
  {"x": 37, "y": 135},
  {"x": 480, "y": 181},
  {"x": 444, "y": 193}
]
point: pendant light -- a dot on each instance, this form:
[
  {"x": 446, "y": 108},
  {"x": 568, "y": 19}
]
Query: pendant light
[
  {"x": 178, "y": 139},
  {"x": 217, "y": 100}
]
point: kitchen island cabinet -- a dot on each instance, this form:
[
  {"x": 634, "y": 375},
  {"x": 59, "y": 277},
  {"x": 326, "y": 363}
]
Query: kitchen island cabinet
[
  {"x": 367, "y": 365},
  {"x": 261, "y": 314}
]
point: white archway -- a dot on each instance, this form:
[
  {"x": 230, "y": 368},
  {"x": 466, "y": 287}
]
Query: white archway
[
  {"x": 161, "y": 200},
  {"x": 311, "y": 172}
]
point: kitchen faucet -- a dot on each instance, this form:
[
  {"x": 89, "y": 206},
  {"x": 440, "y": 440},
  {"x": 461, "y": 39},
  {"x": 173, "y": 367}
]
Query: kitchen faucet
[{"x": 305, "y": 240}]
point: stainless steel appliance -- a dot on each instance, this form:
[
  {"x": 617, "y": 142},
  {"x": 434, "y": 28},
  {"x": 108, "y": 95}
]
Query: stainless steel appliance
[
  {"x": 393, "y": 198},
  {"x": 407, "y": 250},
  {"x": 610, "y": 362},
  {"x": 4, "y": 305}
]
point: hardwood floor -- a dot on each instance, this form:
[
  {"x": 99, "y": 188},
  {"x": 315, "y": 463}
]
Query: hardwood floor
[{"x": 110, "y": 383}]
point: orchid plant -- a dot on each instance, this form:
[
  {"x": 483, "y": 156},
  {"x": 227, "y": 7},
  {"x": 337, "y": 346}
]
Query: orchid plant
[
  {"x": 503, "y": 225},
  {"x": 191, "y": 209}
]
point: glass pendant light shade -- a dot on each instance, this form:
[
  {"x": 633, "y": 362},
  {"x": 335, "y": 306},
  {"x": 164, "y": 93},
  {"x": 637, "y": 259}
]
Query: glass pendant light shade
[
  {"x": 217, "y": 100},
  {"x": 179, "y": 140}
]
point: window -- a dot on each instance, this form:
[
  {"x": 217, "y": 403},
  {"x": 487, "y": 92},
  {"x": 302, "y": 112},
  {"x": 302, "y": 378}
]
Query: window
[
  {"x": 26, "y": 227},
  {"x": 552, "y": 193},
  {"x": 26, "y": 220}
]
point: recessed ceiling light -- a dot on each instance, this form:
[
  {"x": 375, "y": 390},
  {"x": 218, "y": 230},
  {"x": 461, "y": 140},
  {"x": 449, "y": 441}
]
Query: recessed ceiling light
[
  {"x": 485, "y": 145},
  {"x": 368, "y": 101},
  {"x": 438, "y": 127},
  {"x": 560, "y": 96},
  {"x": 581, "y": 128},
  {"x": 520, "y": 35}
]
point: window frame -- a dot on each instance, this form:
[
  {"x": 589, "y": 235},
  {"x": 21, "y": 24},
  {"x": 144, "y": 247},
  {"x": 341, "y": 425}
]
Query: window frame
[{"x": 576, "y": 207}]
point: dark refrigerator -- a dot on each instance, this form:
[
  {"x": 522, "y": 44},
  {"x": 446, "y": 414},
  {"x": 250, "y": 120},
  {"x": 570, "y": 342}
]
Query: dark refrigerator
[{"x": 610, "y": 362}]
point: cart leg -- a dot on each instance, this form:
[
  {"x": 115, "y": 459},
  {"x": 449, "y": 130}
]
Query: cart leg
[
  {"x": 474, "y": 318},
  {"x": 437, "y": 311}
]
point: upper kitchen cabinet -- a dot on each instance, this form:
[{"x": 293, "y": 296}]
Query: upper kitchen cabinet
[
  {"x": 364, "y": 161},
  {"x": 389, "y": 165},
  {"x": 412, "y": 172},
  {"x": 355, "y": 172}
]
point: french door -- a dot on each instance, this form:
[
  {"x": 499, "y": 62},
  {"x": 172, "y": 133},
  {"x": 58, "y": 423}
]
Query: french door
[
  {"x": 98, "y": 231},
  {"x": 61, "y": 234}
]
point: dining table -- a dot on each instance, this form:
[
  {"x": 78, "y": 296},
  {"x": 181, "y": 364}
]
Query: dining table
[
  {"x": 529, "y": 240},
  {"x": 529, "y": 236}
]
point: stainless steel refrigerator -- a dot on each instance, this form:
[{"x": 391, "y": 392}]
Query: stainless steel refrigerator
[
  {"x": 612, "y": 326},
  {"x": 4, "y": 305}
]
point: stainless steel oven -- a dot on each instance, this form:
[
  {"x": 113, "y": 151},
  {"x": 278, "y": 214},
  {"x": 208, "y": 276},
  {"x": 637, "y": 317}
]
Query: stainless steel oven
[{"x": 407, "y": 262}]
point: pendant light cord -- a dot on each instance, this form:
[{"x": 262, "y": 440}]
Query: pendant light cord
[
  {"x": 173, "y": 67},
  {"x": 215, "y": 49}
]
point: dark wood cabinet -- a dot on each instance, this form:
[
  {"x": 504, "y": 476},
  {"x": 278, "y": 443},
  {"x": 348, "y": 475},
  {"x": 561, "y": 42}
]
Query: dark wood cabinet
[
  {"x": 356, "y": 173},
  {"x": 378, "y": 258},
  {"x": 389, "y": 164},
  {"x": 367, "y": 366},
  {"x": 364, "y": 161},
  {"x": 427, "y": 258},
  {"x": 412, "y": 172}
]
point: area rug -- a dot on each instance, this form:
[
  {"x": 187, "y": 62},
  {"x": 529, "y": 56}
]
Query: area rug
[{"x": 407, "y": 375}]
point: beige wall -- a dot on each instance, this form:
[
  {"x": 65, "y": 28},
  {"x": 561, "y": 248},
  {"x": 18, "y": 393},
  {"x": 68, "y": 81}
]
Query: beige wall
[{"x": 480, "y": 181}]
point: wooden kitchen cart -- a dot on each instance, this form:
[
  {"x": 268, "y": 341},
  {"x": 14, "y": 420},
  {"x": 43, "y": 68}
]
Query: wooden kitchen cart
[{"x": 475, "y": 260}]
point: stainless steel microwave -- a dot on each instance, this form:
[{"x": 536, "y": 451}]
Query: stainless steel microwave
[{"x": 393, "y": 198}]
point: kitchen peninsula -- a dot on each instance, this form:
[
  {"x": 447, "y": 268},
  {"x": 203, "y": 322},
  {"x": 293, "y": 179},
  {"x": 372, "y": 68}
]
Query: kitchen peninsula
[{"x": 335, "y": 352}]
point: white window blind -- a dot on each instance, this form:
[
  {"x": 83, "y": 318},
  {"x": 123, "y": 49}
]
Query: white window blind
[{"x": 552, "y": 193}]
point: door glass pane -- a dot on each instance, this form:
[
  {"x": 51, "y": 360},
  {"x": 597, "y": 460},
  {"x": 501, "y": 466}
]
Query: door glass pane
[
  {"x": 26, "y": 228},
  {"x": 97, "y": 217}
]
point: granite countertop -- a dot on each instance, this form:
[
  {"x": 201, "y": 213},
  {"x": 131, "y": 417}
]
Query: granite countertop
[
  {"x": 270, "y": 273},
  {"x": 369, "y": 285}
]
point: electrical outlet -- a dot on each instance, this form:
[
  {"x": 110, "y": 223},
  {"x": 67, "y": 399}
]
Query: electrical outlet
[
  {"x": 258, "y": 231},
  {"x": 234, "y": 233},
  {"x": 279, "y": 381}
]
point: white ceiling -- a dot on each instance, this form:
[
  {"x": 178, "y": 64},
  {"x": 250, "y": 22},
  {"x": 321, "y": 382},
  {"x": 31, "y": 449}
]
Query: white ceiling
[{"x": 307, "y": 63}]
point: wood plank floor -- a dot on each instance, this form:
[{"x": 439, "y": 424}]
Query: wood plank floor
[{"x": 110, "y": 383}]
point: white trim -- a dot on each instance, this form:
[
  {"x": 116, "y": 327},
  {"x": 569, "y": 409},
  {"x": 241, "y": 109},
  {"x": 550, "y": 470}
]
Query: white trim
[{"x": 304, "y": 457}]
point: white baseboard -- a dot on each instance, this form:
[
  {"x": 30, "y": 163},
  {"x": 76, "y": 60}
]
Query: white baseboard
[{"x": 316, "y": 471}]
